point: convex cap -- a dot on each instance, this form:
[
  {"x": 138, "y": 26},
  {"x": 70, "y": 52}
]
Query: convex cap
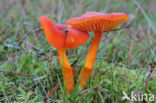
[{"x": 62, "y": 36}]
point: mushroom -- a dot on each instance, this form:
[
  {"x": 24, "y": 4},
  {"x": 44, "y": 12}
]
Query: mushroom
[
  {"x": 97, "y": 22},
  {"x": 63, "y": 37}
]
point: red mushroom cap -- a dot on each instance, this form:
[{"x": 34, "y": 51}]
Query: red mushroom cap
[
  {"x": 95, "y": 21},
  {"x": 62, "y": 36}
]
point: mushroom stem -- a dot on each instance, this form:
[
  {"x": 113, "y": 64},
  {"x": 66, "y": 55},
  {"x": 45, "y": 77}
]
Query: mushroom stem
[
  {"x": 90, "y": 60},
  {"x": 66, "y": 71}
]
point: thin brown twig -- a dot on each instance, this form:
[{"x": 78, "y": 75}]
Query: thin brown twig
[
  {"x": 27, "y": 34},
  {"x": 16, "y": 73},
  {"x": 5, "y": 37},
  {"x": 84, "y": 95},
  {"x": 32, "y": 46},
  {"x": 101, "y": 96},
  {"x": 52, "y": 91},
  {"x": 91, "y": 88},
  {"x": 10, "y": 86}
]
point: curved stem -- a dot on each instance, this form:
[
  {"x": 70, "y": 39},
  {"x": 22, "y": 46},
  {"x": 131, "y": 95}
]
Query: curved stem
[
  {"x": 90, "y": 60},
  {"x": 66, "y": 71}
]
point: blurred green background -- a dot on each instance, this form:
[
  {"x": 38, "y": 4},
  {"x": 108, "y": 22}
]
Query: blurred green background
[{"x": 29, "y": 67}]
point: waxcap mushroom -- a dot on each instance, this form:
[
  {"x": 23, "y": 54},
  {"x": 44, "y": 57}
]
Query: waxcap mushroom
[
  {"x": 96, "y": 21},
  {"x": 62, "y": 36}
]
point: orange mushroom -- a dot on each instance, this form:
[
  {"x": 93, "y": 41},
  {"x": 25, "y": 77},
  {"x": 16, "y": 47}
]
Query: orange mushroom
[
  {"x": 97, "y": 22},
  {"x": 63, "y": 37}
]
